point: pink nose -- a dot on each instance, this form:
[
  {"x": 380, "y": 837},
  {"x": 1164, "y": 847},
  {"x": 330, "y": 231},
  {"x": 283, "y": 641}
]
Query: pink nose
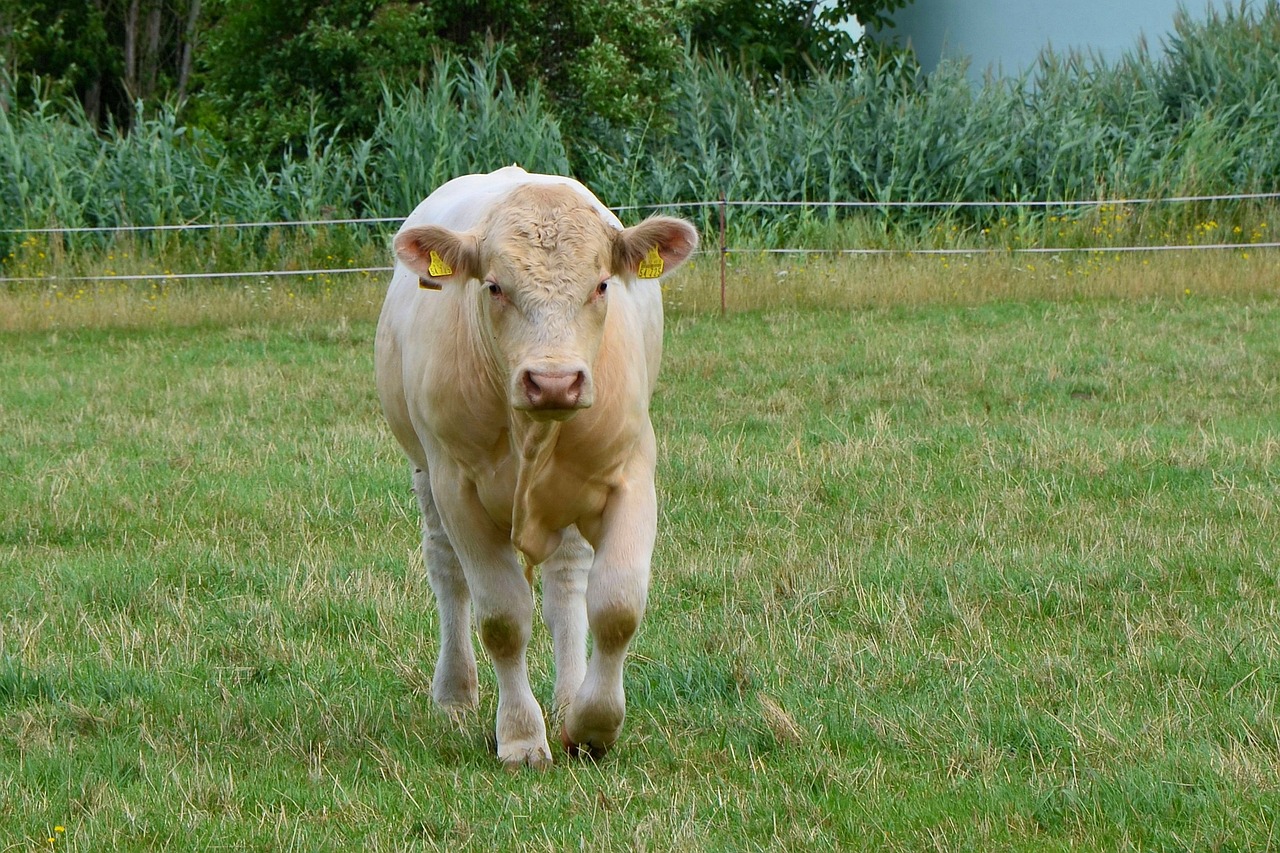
[{"x": 552, "y": 390}]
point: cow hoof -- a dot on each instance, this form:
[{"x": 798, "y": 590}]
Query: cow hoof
[
  {"x": 455, "y": 704},
  {"x": 515, "y": 760},
  {"x": 456, "y": 688},
  {"x": 458, "y": 704},
  {"x": 459, "y": 714},
  {"x": 585, "y": 749}
]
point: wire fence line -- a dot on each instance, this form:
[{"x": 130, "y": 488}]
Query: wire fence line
[
  {"x": 187, "y": 276},
  {"x": 1028, "y": 250},
  {"x": 722, "y": 204},
  {"x": 1106, "y": 202},
  {"x": 199, "y": 226},
  {"x": 1017, "y": 250},
  {"x": 382, "y": 220}
]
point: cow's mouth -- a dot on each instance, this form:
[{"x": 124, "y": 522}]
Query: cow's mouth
[{"x": 549, "y": 415}]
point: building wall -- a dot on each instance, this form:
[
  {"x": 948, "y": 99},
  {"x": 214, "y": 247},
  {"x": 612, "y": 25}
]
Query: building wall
[{"x": 1006, "y": 35}]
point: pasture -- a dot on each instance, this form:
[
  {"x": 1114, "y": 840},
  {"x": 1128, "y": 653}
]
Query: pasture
[{"x": 953, "y": 554}]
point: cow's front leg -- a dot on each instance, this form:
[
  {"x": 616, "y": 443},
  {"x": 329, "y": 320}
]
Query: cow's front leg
[
  {"x": 564, "y": 609},
  {"x": 504, "y": 614},
  {"x": 616, "y": 594},
  {"x": 503, "y": 604},
  {"x": 454, "y": 685}
]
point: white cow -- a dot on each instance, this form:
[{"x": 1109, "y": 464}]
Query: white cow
[{"x": 516, "y": 355}]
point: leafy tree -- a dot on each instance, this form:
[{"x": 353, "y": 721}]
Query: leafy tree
[
  {"x": 107, "y": 53},
  {"x": 786, "y": 36},
  {"x": 64, "y": 44},
  {"x": 270, "y": 68},
  {"x": 262, "y": 75}
]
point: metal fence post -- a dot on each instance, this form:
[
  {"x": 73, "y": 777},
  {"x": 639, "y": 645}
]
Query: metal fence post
[{"x": 724, "y": 250}]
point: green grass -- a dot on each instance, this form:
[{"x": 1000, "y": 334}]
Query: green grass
[{"x": 938, "y": 568}]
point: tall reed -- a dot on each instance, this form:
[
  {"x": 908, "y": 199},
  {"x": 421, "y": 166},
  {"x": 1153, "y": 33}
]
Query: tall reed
[
  {"x": 469, "y": 118},
  {"x": 1202, "y": 116}
]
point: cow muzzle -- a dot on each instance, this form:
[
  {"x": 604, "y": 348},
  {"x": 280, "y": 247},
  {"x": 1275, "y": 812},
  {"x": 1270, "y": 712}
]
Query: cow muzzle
[{"x": 554, "y": 392}]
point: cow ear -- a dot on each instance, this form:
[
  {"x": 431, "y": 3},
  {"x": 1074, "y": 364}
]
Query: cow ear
[
  {"x": 439, "y": 256},
  {"x": 653, "y": 248}
]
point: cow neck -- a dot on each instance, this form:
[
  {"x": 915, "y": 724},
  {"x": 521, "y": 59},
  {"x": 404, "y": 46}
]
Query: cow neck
[{"x": 535, "y": 443}]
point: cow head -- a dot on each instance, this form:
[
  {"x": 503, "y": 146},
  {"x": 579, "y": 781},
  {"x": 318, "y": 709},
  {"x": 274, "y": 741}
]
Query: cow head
[{"x": 540, "y": 269}]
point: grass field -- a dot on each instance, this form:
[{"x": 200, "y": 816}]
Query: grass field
[{"x": 954, "y": 554}]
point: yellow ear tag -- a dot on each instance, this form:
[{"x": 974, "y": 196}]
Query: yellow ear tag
[
  {"x": 438, "y": 266},
  {"x": 651, "y": 266}
]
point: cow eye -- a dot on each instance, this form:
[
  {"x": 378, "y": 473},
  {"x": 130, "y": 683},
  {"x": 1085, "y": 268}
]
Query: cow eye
[
  {"x": 604, "y": 285},
  {"x": 495, "y": 289}
]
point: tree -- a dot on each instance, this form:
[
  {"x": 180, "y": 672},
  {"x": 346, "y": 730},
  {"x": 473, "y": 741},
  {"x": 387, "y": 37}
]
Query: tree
[
  {"x": 271, "y": 68},
  {"x": 786, "y": 36},
  {"x": 107, "y": 53},
  {"x": 603, "y": 59},
  {"x": 263, "y": 74}
]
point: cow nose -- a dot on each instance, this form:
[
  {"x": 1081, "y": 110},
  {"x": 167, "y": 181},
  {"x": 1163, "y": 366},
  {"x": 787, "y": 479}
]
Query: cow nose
[{"x": 548, "y": 390}]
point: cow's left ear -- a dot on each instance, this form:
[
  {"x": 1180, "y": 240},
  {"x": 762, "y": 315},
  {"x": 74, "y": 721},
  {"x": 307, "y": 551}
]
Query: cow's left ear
[
  {"x": 438, "y": 255},
  {"x": 654, "y": 248}
]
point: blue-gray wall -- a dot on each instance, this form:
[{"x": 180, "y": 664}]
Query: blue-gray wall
[{"x": 1007, "y": 35}]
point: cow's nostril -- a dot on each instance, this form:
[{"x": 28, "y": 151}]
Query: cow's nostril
[
  {"x": 532, "y": 390},
  {"x": 552, "y": 390}
]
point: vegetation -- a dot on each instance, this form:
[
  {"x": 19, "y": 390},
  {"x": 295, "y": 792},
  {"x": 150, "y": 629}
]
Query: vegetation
[
  {"x": 787, "y": 38},
  {"x": 1199, "y": 117},
  {"x": 988, "y": 563},
  {"x": 262, "y": 74},
  {"x": 275, "y": 70}
]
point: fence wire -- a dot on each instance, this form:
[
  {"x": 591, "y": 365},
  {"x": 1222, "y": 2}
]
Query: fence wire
[{"x": 722, "y": 204}]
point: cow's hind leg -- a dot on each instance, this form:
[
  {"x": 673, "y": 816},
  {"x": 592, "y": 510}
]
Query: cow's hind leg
[
  {"x": 564, "y": 609},
  {"x": 454, "y": 685}
]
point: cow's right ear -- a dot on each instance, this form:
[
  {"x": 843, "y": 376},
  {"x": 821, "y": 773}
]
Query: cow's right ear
[{"x": 439, "y": 256}]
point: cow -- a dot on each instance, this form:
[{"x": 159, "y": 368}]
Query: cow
[{"x": 516, "y": 355}]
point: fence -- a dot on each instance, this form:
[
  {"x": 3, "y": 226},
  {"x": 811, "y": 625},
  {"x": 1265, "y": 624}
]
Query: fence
[{"x": 723, "y": 249}]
